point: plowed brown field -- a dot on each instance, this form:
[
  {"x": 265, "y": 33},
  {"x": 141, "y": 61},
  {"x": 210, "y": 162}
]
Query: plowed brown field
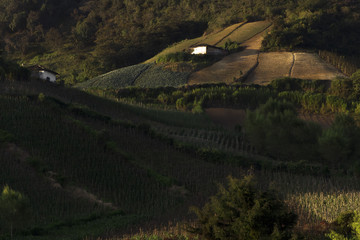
[
  {"x": 311, "y": 66},
  {"x": 271, "y": 66},
  {"x": 231, "y": 67}
]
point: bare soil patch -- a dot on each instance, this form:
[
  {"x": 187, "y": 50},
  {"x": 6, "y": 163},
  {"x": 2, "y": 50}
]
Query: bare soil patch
[
  {"x": 227, "y": 117},
  {"x": 311, "y": 66},
  {"x": 271, "y": 66},
  {"x": 231, "y": 67}
]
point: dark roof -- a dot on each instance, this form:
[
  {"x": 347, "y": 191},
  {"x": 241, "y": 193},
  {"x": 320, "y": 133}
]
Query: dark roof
[
  {"x": 41, "y": 68},
  {"x": 207, "y": 45}
]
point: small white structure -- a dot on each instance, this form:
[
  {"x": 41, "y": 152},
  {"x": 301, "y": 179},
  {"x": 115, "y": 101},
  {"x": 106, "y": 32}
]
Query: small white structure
[
  {"x": 208, "y": 50},
  {"x": 43, "y": 73}
]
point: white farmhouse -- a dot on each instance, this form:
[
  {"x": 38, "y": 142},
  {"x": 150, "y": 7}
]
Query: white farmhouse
[
  {"x": 43, "y": 73},
  {"x": 208, "y": 50}
]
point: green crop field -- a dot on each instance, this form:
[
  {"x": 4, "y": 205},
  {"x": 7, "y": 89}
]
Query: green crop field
[
  {"x": 157, "y": 76},
  {"x": 122, "y": 77},
  {"x": 246, "y": 32}
]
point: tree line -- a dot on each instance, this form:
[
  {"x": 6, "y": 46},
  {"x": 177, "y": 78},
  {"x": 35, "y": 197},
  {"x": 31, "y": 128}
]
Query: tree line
[{"x": 109, "y": 34}]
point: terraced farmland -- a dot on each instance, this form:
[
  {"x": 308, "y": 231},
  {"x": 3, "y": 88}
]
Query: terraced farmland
[
  {"x": 246, "y": 32},
  {"x": 231, "y": 67},
  {"x": 212, "y": 38},
  {"x": 122, "y": 77},
  {"x": 271, "y": 66},
  {"x": 157, "y": 76},
  {"x": 275, "y": 65},
  {"x": 311, "y": 66},
  {"x": 218, "y": 38}
]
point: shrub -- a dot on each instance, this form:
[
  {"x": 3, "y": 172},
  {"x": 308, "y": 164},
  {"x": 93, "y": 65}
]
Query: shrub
[
  {"x": 275, "y": 130},
  {"x": 346, "y": 227},
  {"x": 340, "y": 143},
  {"x": 240, "y": 211}
]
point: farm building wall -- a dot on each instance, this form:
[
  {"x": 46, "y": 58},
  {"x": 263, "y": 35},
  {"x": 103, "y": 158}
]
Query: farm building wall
[
  {"x": 199, "y": 50},
  {"x": 215, "y": 51},
  {"x": 45, "y": 75}
]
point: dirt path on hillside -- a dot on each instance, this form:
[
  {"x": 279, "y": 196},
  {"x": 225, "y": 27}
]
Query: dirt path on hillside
[{"x": 230, "y": 67}]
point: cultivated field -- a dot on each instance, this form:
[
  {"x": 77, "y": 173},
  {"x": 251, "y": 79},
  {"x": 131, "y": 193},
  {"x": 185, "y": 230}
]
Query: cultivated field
[
  {"x": 246, "y": 32},
  {"x": 311, "y": 66},
  {"x": 157, "y": 76},
  {"x": 217, "y": 38},
  {"x": 226, "y": 116},
  {"x": 212, "y": 38},
  {"x": 232, "y": 67},
  {"x": 275, "y": 65},
  {"x": 271, "y": 66},
  {"x": 120, "y": 78}
]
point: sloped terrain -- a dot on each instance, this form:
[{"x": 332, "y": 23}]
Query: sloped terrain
[
  {"x": 302, "y": 65},
  {"x": 311, "y": 66},
  {"x": 231, "y": 67},
  {"x": 212, "y": 38},
  {"x": 246, "y": 31},
  {"x": 122, "y": 77},
  {"x": 271, "y": 66}
]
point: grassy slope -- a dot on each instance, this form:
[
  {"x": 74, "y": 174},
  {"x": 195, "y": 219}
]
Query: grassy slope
[{"x": 246, "y": 32}]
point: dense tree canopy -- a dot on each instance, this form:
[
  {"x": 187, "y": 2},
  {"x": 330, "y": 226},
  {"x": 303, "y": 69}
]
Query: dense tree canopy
[{"x": 108, "y": 34}]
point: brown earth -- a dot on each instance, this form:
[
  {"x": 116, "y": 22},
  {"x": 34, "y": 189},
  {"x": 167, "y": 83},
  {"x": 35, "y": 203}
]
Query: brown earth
[
  {"x": 227, "y": 117},
  {"x": 230, "y": 67},
  {"x": 271, "y": 66},
  {"x": 311, "y": 66}
]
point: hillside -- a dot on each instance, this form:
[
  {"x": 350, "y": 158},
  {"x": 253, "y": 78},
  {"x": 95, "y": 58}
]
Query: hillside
[
  {"x": 138, "y": 134},
  {"x": 164, "y": 162},
  {"x": 159, "y": 75}
]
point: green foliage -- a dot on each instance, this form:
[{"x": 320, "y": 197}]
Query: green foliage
[
  {"x": 233, "y": 46},
  {"x": 339, "y": 144},
  {"x": 120, "y": 78},
  {"x": 12, "y": 71},
  {"x": 274, "y": 129},
  {"x": 348, "y": 64},
  {"x": 306, "y": 25},
  {"x": 346, "y": 227},
  {"x": 6, "y": 136},
  {"x": 157, "y": 76},
  {"x": 240, "y": 211},
  {"x": 14, "y": 210},
  {"x": 197, "y": 61}
]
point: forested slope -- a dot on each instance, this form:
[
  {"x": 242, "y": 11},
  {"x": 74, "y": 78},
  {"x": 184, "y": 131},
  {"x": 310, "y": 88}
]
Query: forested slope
[{"x": 82, "y": 39}]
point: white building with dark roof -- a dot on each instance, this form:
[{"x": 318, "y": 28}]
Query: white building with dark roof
[
  {"x": 208, "y": 50},
  {"x": 42, "y": 73}
]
